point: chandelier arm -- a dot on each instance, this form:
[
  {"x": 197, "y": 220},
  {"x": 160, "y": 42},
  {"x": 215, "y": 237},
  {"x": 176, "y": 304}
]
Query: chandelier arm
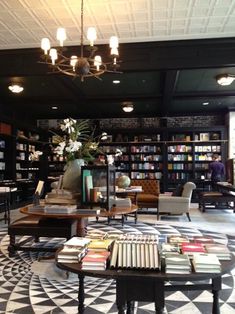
[{"x": 82, "y": 28}]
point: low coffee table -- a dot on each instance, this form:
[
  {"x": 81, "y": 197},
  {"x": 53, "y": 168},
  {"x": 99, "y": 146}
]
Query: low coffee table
[{"x": 118, "y": 211}]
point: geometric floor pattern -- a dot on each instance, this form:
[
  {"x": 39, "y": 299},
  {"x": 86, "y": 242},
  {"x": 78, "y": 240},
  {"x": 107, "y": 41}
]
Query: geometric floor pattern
[{"x": 28, "y": 286}]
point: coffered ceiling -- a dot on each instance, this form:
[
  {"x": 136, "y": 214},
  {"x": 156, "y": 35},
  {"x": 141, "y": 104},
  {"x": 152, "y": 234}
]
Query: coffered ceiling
[{"x": 170, "y": 52}]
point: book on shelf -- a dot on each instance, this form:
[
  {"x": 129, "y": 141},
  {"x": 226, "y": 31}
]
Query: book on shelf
[{"x": 60, "y": 209}]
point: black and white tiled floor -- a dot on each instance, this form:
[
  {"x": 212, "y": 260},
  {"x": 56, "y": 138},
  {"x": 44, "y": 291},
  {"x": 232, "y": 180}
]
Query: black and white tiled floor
[{"x": 28, "y": 286}]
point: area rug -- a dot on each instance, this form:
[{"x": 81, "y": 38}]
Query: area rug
[{"x": 28, "y": 286}]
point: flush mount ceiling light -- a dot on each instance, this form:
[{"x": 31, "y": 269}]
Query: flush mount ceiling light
[
  {"x": 15, "y": 88},
  {"x": 80, "y": 66},
  {"x": 127, "y": 106},
  {"x": 225, "y": 79}
]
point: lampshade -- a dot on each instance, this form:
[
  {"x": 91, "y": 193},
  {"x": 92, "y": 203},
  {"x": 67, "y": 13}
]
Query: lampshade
[
  {"x": 15, "y": 88},
  {"x": 127, "y": 106}
]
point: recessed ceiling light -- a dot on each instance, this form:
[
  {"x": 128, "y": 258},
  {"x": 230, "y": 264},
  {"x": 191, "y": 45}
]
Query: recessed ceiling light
[
  {"x": 116, "y": 82},
  {"x": 225, "y": 79},
  {"x": 15, "y": 88},
  {"x": 205, "y": 103},
  {"x": 54, "y": 107}
]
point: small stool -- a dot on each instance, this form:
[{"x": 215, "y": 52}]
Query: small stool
[{"x": 39, "y": 227}]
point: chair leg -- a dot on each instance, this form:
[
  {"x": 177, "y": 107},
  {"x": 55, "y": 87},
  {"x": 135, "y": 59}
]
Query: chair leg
[{"x": 188, "y": 216}]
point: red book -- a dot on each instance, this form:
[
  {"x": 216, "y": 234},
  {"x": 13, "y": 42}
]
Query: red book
[
  {"x": 95, "y": 258},
  {"x": 190, "y": 248}
]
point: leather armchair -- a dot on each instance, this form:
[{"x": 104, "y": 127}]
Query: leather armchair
[
  {"x": 177, "y": 205},
  {"x": 149, "y": 197}
]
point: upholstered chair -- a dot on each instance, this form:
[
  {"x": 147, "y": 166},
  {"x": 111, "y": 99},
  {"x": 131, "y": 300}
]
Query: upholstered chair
[
  {"x": 149, "y": 197},
  {"x": 177, "y": 205}
]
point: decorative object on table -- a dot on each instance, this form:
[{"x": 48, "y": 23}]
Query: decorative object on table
[
  {"x": 123, "y": 181},
  {"x": 98, "y": 185},
  {"x": 79, "y": 146}
]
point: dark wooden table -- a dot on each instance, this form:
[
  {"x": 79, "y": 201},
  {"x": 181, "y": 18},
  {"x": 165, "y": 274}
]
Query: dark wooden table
[
  {"x": 82, "y": 219},
  {"x": 149, "y": 286}
]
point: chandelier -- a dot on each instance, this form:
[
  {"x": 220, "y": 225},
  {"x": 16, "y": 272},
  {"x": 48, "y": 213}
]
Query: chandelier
[{"x": 80, "y": 66}]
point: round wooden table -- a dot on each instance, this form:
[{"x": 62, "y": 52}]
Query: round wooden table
[
  {"x": 149, "y": 286},
  {"x": 82, "y": 219}
]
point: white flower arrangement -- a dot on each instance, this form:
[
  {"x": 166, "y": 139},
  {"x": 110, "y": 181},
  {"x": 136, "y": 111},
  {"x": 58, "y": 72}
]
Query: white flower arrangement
[{"x": 78, "y": 142}]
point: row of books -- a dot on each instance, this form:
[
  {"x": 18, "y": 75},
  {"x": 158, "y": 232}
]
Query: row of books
[
  {"x": 133, "y": 251},
  {"x": 179, "y": 243},
  {"x": 146, "y": 166}
]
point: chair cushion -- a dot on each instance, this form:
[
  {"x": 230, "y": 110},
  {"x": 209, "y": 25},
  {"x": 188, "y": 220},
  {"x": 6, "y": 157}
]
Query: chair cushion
[{"x": 147, "y": 198}]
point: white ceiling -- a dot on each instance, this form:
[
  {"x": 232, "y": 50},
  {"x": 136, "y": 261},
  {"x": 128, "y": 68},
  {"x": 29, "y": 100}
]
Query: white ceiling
[{"x": 24, "y": 22}]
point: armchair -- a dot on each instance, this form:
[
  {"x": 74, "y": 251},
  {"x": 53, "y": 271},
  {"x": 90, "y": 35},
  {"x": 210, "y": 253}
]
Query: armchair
[
  {"x": 177, "y": 205},
  {"x": 149, "y": 197}
]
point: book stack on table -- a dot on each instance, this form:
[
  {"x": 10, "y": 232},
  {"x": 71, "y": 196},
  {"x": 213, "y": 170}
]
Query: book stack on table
[
  {"x": 98, "y": 254},
  {"x": 206, "y": 263},
  {"x": 177, "y": 263},
  {"x": 220, "y": 250},
  {"x": 62, "y": 196},
  {"x": 95, "y": 260},
  {"x": 73, "y": 250}
]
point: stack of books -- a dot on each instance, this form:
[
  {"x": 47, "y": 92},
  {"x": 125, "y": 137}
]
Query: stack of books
[
  {"x": 119, "y": 202},
  {"x": 206, "y": 263},
  {"x": 95, "y": 260},
  {"x": 73, "y": 250},
  {"x": 62, "y": 196},
  {"x": 60, "y": 209},
  {"x": 220, "y": 250},
  {"x": 190, "y": 248},
  {"x": 177, "y": 263}
]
